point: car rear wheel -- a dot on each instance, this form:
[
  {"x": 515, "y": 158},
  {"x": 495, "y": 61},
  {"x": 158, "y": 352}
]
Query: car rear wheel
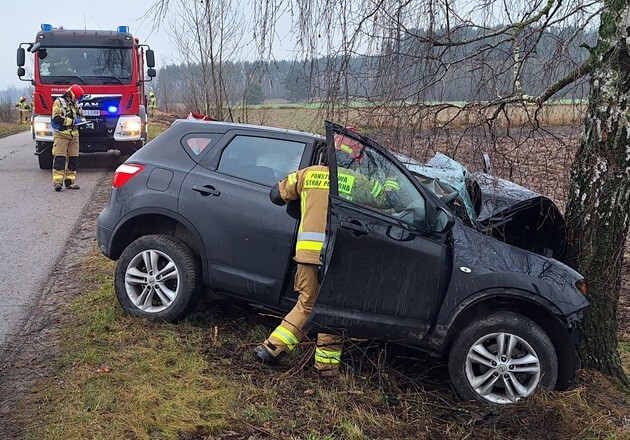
[
  {"x": 158, "y": 277},
  {"x": 502, "y": 358}
]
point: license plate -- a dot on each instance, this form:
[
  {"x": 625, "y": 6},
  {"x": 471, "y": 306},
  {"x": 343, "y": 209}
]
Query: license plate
[{"x": 91, "y": 112}]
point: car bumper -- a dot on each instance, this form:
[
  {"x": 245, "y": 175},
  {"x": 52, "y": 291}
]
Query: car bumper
[{"x": 104, "y": 236}]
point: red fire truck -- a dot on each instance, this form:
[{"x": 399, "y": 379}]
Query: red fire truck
[{"x": 109, "y": 66}]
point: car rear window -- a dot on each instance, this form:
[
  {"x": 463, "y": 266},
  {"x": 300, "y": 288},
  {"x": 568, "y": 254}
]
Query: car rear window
[
  {"x": 197, "y": 143},
  {"x": 259, "y": 159}
]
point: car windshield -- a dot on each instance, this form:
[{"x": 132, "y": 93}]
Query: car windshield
[
  {"x": 443, "y": 176},
  {"x": 85, "y": 65}
]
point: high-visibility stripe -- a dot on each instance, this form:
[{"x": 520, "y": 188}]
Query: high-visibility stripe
[
  {"x": 288, "y": 338},
  {"x": 292, "y": 178},
  {"x": 376, "y": 189},
  {"x": 346, "y": 149},
  {"x": 307, "y": 245},
  {"x": 327, "y": 356},
  {"x": 302, "y": 209},
  {"x": 392, "y": 184},
  {"x": 311, "y": 236}
]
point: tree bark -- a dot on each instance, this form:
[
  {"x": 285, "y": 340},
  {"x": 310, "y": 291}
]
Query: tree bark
[{"x": 598, "y": 208}]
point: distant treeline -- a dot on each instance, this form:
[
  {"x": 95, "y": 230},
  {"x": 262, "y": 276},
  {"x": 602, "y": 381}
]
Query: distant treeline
[{"x": 412, "y": 68}]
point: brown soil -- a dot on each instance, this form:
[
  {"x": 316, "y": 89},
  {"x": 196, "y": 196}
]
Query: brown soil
[{"x": 32, "y": 353}]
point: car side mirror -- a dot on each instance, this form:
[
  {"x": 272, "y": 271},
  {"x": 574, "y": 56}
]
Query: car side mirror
[{"x": 444, "y": 220}]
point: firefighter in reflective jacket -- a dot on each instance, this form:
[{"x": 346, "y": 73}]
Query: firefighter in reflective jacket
[
  {"x": 66, "y": 114},
  {"x": 354, "y": 150},
  {"x": 311, "y": 186},
  {"x": 24, "y": 108},
  {"x": 152, "y": 104}
]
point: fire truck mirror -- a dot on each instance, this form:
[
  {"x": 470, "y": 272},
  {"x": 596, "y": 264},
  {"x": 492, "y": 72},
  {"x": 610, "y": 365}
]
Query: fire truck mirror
[
  {"x": 21, "y": 72},
  {"x": 150, "y": 58},
  {"x": 151, "y": 73},
  {"x": 21, "y": 58}
]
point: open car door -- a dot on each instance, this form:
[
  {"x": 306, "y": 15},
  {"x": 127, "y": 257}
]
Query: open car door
[{"x": 385, "y": 272}]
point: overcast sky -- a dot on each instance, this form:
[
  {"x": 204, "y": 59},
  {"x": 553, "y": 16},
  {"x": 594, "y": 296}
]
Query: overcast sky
[{"x": 22, "y": 19}]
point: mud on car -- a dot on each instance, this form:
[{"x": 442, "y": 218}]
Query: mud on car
[{"x": 439, "y": 268}]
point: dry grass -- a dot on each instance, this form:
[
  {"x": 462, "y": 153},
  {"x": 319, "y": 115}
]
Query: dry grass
[{"x": 9, "y": 128}]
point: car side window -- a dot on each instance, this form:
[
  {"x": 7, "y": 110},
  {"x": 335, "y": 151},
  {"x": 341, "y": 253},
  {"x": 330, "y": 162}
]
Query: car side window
[
  {"x": 261, "y": 160},
  {"x": 379, "y": 184}
]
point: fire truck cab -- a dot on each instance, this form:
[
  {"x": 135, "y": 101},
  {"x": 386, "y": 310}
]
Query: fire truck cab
[{"x": 109, "y": 66}]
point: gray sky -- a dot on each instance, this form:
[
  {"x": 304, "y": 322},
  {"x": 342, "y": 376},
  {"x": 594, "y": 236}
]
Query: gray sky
[{"x": 21, "y": 20}]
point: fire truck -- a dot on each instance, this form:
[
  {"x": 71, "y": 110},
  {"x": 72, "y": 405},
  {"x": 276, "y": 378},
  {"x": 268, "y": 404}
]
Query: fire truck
[{"x": 109, "y": 66}]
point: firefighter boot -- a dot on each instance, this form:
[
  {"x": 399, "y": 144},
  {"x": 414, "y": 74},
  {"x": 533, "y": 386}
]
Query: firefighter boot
[
  {"x": 70, "y": 185},
  {"x": 57, "y": 187},
  {"x": 265, "y": 356}
]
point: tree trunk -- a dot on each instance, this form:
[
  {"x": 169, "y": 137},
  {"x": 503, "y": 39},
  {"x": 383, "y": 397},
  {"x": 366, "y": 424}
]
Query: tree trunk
[{"x": 599, "y": 206}]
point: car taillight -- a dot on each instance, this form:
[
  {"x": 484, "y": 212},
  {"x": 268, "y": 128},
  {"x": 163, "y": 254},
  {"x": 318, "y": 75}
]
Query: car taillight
[{"x": 125, "y": 172}]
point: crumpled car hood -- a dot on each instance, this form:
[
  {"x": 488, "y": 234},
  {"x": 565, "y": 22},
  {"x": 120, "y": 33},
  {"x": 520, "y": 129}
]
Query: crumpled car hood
[{"x": 503, "y": 209}]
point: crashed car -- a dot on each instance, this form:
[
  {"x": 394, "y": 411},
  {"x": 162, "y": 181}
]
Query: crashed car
[
  {"x": 507, "y": 211},
  {"x": 190, "y": 212}
]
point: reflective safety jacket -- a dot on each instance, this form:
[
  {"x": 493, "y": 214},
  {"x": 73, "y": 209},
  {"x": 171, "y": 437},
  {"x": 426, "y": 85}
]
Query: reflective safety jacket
[
  {"x": 311, "y": 186},
  {"x": 23, "y": 106},
  {"x": 64, "y": 113}
]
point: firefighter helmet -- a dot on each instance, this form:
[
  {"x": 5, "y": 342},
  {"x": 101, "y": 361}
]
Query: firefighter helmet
[
  {"x": 22, "y": 98},
  {"x": 151, "y": 94},
  {"x": 75, "y": 90}
]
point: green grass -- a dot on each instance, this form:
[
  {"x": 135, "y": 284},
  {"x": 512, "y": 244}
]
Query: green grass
[{"x": 122, "y": 377}]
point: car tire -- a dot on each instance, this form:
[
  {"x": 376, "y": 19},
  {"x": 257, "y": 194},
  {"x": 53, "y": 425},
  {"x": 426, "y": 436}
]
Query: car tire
[
  {"x": 158, "y": 277},
  {"x": 480, "y": 370},
  {"x": 45, "y": 158}
]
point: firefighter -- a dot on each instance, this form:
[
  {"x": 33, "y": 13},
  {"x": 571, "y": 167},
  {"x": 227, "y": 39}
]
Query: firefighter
[
  {"x": 310, "y": 185},
  {"x": 354, "y": 149},
  {"x": 66, "y": 115},
  {"x": 24, "y": 109},
  {"x": 152, "y": 104}
]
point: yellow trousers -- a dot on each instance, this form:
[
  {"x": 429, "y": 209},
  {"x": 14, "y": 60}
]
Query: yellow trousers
[
  {"x": 289, "y": 333},
  {"x": 65, "y": 153}
]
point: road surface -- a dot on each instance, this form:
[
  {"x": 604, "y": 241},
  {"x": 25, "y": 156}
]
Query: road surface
[{"x": 35, "y": 223}]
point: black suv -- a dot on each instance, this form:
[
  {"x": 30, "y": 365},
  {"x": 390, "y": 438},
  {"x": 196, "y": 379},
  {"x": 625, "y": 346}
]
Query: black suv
[{"x": 190, "y": 212}]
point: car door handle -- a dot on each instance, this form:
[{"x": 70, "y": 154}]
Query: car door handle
[
  {"x": 207, "y": 190},
  {"x": 357, "y": 228}
]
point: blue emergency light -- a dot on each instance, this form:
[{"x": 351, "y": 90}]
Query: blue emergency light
[
  {"x": 47, "y": 27},
  {"x": 112, "y": 109},
  {"x": 123, "y": 28}
]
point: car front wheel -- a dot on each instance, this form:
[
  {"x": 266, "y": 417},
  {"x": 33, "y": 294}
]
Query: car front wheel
[
  {"x": 157, "y": 277},
  {"x": 502, "y": 358}
]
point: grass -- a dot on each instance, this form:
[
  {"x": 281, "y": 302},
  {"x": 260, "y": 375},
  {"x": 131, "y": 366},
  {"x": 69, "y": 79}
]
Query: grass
[{"x": 120, "y": 377}]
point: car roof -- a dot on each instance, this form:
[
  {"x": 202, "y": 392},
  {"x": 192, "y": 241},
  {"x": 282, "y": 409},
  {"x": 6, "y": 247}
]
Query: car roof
[{"x": 194, "y": 124}]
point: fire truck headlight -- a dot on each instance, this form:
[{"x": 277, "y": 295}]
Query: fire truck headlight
[
  {"x": 41, "y": 126},
  {"x": 132, "y": 127}
]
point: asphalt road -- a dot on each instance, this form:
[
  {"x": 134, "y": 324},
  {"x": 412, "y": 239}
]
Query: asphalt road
[{"x": 35, "y": 223}]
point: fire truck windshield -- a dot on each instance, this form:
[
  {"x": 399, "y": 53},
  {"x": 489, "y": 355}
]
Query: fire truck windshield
[{"x": 85, "y": 65}]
